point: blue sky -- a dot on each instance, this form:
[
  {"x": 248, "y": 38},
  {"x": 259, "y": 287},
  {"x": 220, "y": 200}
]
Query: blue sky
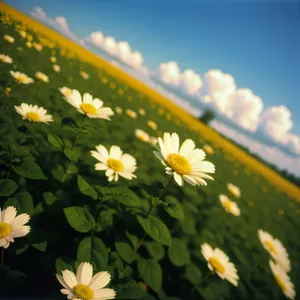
[{"x": 255, "y": 41}]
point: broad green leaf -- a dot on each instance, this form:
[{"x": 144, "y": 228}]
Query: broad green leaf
[
  {"x": 63, "y": 263},
  {"x": 155, "y": 250},
  {"x": 121, "y": 194},
  {"x": 7, "y": 187},
  {"x": 70, "y": 154},
  {"x": 22, "y": 202},
  {"x": 79, "y": 219},
  {"x": 193, "y": 274},
  {"x": 178, "y": 253},
  {"x": 125, "y": 251},
  {"x": 93, "y": 250},
  {"x": 29, "y": 169},
  {"x": 174, "y": 208},
  {"x": 85, "y": 188},
  {"x": 42, "y": 246},
  {"x": 13, "y": 278},
  {"x": 151, "y": 272},
  {"x": 129, "y": 290},
  {"x": 49, "y": 198},
  {"x": 55, "y": 140},
  {"x": 156, "y": 229}
]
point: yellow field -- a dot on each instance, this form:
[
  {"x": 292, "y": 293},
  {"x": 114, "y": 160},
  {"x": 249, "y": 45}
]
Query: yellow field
[{"x": 85, "y": 55}]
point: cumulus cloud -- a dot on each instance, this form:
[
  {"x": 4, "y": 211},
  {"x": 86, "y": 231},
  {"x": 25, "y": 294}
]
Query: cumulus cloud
[
  {"x": 269, "y": 153},
  {"x": 120, "y": 50},
  {"x": 240, "y": 105},
  {"x": 59, "y": 23},
  {"x": 188, "y": 81}
]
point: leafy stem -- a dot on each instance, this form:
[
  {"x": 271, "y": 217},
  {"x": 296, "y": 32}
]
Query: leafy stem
[
  {"x": 73, "y": 147},
  {"x": 206, "y": 276}
]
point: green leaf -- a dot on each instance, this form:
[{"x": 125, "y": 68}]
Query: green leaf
[
  {"x": 151, "y": 273},
  {"x": 178, "y": 253},
  {"x": 22, "y": 202},
  {"x": 174, "y": 208},
  {"x": 55, "y": 140},
  {"x": 70, "y": 154},
  {"x": 79, "y": 219},
  {"x": 13, "y": 278},
  {"x": 85, "y": 188},
  {"x": 42, "y": 246},
  {"x": 129, "y": 290},
  {"x": 155, "y": 250},
  {"x": 193, "y": 274},
  {"x": 49, "y": 198},
  {"x": 156, "y": 229},
  {"x": 58, "y": 172},
  {"x": 121, "y": 194},
  {"x": 29, "y": 169},
  {"x": 7, "y": 187},
  {"x": 21, "y": 249},
  {"x": 93, "y": 250},
  {"x": 63, "y": 263},
  {"x": 125, "y": 251},
  {"x": 70, "y": 124}
]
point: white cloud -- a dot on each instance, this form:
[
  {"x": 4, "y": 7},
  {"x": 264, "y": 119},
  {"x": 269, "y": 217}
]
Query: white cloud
[
  {"x": 188, "y": 81},
  {"x": 270, "y": 153},
  {"x": 59, "y": 23},
  {"x": 240, "y": 105},
  {"x": 120, "y": 50}
]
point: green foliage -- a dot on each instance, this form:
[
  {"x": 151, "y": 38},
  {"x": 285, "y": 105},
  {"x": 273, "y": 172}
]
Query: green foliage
[
  {"x": 22, "y": 202},
  {"x": 85, "y": 188},
  {"x": 178, "y": 253},
  {"x": 151, "y": 273},
  {"x": 174, "y": 208},
  {"x": 29, "y": 169},
  {"x": 7, "y": 187},
  {"x": 156, "y": 229},
  {"x": 79, "y": 219},
  {"x": 93, "y": 250}
]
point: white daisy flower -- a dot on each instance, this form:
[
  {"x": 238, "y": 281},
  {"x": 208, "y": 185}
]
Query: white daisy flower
[
  {"x": 130, "y": 113},
  {"x": 234, "y": 190},
  {"x": 152, "y": 125},
  {"x": 38, "y": 47},
  {"x": 28, "y": 44},
  {"x": 65, "y": 91},
  {"x": 142, "y": 135},
  {"x": 218, "y": 261},
  {"x": 229, "y": 206},
  {"x": 53, "y": 59},
  {"x": 208, "y": 149},
  {"x": 23, "y": 34},
  {"x": 9, "y": 38},
  {"x": 6, "y": 59},
  {"x": 85, "y": 286},
  {"x": 86, "y": 105},
  {"x": 12, "y": 226},
  {"x": 56, "y": 68},
  {"x": 41, "y": 76},
  {"x": 283, "y": 280},
  {"x": 153, "y": 140},
  {"x": 118, "y": 110},
  {"x": 84, "y": 75},
  {"x": 141, "y": 111},
  {"x": 21, "y": 77},
  {"x": 33, "y": 113},
  {"x": 185, "y": 163},
  {"x": 114, "y": 162},
  {"x": 275, "y": 249}
]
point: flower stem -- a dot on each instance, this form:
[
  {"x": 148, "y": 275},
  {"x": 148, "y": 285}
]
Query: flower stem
[
  {"x": 74, "y": 145},
  {"x": 171, "y": 181},
  {"x": 206, "y": 276}
]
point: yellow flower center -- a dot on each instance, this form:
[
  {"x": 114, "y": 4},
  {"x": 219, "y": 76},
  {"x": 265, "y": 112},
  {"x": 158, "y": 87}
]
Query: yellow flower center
[
  {"x": 271, "y": 247},
  {"x": 21, "y": 78},
  {"x": 115, "y": 164},
  {"x": 216, "y": 265},
  {"x": 178, "y": 163},
  {"x": 88, "y": 108},
  {"x": 5, "y": 230},
  {"x": 83, "y": 292},
  {"x": 228, "y": 205},
  {"x": 280, "y": 283},
  {"x": 33, "y": 116}
]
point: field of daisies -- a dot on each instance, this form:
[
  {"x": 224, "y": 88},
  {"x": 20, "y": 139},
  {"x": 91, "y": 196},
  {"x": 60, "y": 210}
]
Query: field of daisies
[{"x": 106, "y": 195}]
